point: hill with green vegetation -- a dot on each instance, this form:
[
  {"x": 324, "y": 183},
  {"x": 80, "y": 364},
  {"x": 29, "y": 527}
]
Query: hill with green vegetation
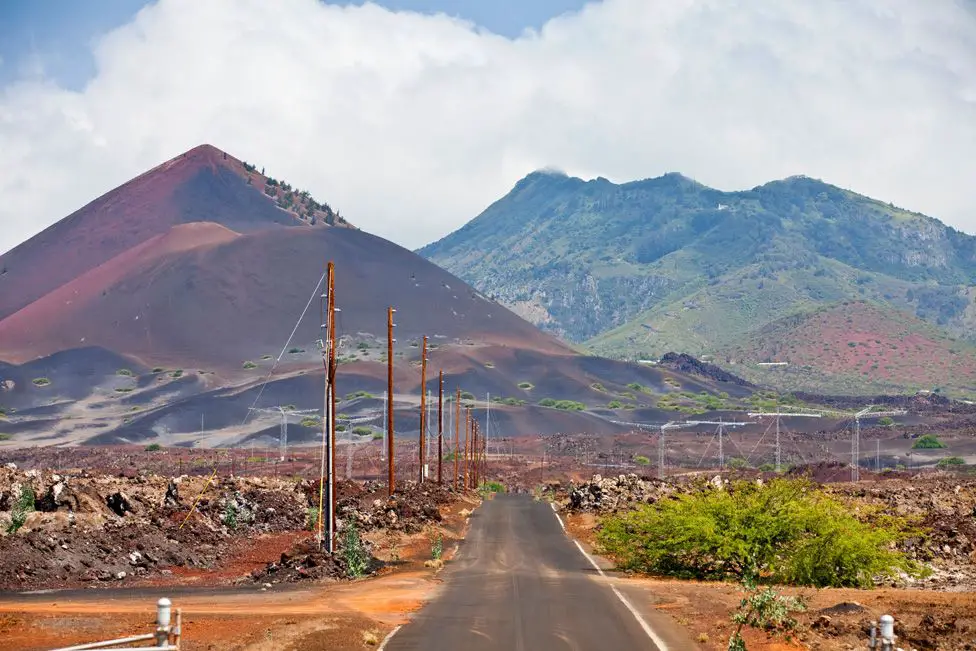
[{"x": 638, "y": 269}]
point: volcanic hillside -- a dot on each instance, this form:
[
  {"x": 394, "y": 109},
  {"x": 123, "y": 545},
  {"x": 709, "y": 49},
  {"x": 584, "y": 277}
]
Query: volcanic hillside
[
  {"x": 195, "y": 262},
  {"x": 167, "y": 303}
]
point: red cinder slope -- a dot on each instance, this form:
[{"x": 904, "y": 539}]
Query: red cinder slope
[
  {"x": 203, "y": 184},
  {"x": 216, "y": 305}
]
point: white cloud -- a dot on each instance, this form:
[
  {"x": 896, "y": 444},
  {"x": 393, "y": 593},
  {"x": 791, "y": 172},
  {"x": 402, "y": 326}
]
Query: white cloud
[{"x": 412, "y": 124}]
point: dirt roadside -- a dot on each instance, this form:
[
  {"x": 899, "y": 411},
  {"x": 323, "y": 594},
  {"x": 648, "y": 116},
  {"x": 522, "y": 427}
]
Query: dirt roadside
[{"x": 294, "y": 617}]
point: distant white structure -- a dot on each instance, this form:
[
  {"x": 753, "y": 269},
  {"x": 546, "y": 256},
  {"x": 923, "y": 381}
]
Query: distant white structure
[{"x": 772, "y": 364}]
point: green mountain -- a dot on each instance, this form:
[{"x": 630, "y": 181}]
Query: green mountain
[{"x": 641, "y": 268}]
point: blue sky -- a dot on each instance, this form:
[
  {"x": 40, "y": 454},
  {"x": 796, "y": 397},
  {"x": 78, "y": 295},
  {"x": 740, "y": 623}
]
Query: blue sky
[{"x": 56, "y": 35}]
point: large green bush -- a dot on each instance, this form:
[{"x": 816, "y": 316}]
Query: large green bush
[
  {"x": 928, "y": 442},
  {"x": 785, "y": 531}
]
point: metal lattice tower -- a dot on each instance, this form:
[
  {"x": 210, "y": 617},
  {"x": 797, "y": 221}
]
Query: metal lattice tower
[
  {"x": 285, "y": 413},
  {"x": 779, "y": 415},
  {"x": 856, "y": 439}
]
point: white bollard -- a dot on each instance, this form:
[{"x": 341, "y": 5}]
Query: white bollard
[
  {"x": 163, "y": 609},
  {"x": 887, "y": 631}
]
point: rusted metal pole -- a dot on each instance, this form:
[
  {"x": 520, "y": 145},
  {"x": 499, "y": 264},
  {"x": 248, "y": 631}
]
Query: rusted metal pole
[
  {"x": 475, "y": 451},
  {"x": 423, "y": 407},
  {"x": 440, "y": 425},
  {"x": 457, "y": 436},
  {"x": 389, "y": 399}
]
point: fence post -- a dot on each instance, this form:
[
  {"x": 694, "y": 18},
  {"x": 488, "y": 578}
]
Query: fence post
[{"x": 163, "y": 617}]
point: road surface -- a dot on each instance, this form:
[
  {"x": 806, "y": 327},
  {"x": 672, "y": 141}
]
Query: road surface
[{"x": 520, "y": 584}]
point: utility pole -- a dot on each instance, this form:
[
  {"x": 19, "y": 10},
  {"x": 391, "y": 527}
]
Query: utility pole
[
  {"x": 283, "y": 436},
  {"x": 778, "y": 415},
  {"x": 467, "y": 433},
  {"x": 440, "y": 425},
  {"x": 423, "y": 408},
  {"x": 326, "y": 515},
  {"x": 856, "y": 440},
  {"x": 877, "y": 456},
  {"x": 487, "y": 418},
  {"x": 457, "y": 435},
  {"x": 474, "y": 453},
  {"x": 389, "y": 399}
]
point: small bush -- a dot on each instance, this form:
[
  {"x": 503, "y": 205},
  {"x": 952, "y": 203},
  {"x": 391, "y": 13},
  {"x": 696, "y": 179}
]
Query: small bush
[
  {"x": 765, "y": 610},
  {"x": 24, "y": 506},
  {"x": 437, "y": 549},
  {"x": 886, "y": 421},
  {"x": 615, "y": 404},
  {"x": 295, "y": 351},
  {"x": 362, "y": 345},
  {"x": 735, "y": 463},
  {"x": 928, "y": 442},
  {"x": 354, "y": 552},
  {"x": 786, "y": 531},
  {"x": 359, "y": 394},
  {"x": 311, "y": 421},
  {"x": 230, "y": 515},
  {"x": 492, "y": 487},
  {"x": 124, "y": 372},
  {"x": 41, "y": 382},
  {"x": 177, "y": 374},
  {"x": 311, "y": 518},
  {"x": 467, "y": 395},
  {"x": 124, "y": 390},
  {"x": 526, "y": 386},
  {"x": 249, "y": 365},
  {"x": 641, "y": 460},
  {"x": 565, "y": 405},
  {"x": 951, "y": 461},
  {"x": 6, "y": 437},
  {"x": 362, "y": 431},
  {"x": 154, "y": 447}
]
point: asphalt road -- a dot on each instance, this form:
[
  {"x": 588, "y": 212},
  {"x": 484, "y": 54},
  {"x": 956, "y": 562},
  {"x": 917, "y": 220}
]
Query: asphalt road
[{"x": 520, "y": 584}]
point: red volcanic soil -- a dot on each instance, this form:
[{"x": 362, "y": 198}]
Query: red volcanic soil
[
  {"x": 212, "y": 294},
  {"x": 861, "y": 339},
  {"x": 203, "y": 184}
]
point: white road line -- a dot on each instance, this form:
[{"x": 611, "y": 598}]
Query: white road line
[
  {"x": 389, "y": 637},
  {"x": 633, "y": 611},
  {"x": 553, "y": 505}
]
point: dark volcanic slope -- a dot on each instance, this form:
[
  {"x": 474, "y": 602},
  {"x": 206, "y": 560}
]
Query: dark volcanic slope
[
  {"x": 203, "y": 184},
  {"x": 238, "y": 298}
]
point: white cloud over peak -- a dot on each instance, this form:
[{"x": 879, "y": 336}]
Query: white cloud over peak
[{"x": 411, "y": 124}]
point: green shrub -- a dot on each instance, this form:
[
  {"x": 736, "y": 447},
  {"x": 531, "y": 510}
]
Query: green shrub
[
  {"x": 124, "y": 390},
  {"x": 24, "y": 506},
  {"x": 359, "y": 394},
  {"x": 230, "y": 515},
  {"x": 735, "y": 463},
  {"x": 177, "y": 374},
  {"x": 492, "y": 487},
  {"x": 765, "y": 610},
  {"x": 295, "y": 351},
  {"x": 951, "y": 461},
  {"x": 526, "y": 386},
  {"x": 249, "y": 365},
  {"x": 786, "y": 531},
  {"x": 362, "y": 345},
  {"x": 154, "y": 447},
  {"x": 41, "y": 382},
  {"x": 362, "y": 431},
  {"x": 467, "y": 395},
  {"x": 511, "y": 402},
  {"x": 767, "y": 467},
  {"x": 354, "y": 552},
  {"x": 437, "y": 549},
  {"x": 565, "y": 405},
  {"x": 6, "y": 437},
  {"x": 886, "y": 421},
  {"x": 928, "y": 442},
  {"x": 641, "y": 460},
  {"x": 124, "y": 372},
  {"x": 311, "y": 518}
]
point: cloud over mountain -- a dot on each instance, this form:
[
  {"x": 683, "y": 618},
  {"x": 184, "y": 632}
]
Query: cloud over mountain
[{"x": 411, "y": 124}]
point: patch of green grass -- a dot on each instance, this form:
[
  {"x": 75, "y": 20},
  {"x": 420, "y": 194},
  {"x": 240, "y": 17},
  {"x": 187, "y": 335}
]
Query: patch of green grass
[
  {"x": 951, "y": 461},
  {"x": 41, "y": 382}
]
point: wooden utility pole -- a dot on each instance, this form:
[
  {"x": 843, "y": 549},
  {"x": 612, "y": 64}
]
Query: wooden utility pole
[
  {"x": 475, "y": 452},
  {"x": 467, "y": 433},
  {"x": 440, "y": 425},
  {"x": 332, "y": 419},
  {"x": 457, "y": 435},
  {"x": 423, "y": 408},
  {"x": 389, "y": 400}
]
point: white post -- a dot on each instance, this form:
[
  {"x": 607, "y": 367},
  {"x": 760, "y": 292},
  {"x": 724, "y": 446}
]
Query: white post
[{"x": 163, "y": 618}]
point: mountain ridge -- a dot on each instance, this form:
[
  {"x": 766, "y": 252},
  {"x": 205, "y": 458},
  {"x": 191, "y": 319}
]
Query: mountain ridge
[{"x": 641, "y": 268}]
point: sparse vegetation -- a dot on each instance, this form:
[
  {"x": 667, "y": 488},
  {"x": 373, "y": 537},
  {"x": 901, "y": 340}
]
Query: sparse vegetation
[
  {"x": 949, "y": 462},
  {"x": 41, "y": 382},
  {"x": 123, "y": 390},
  {"x": 249, "y": 365},
  {"x": 177, "y": 374},
  {"x": 511, "y": 402},
  {"x": 295, "y": 351},
  {"x": 154, "y": 447},
  {"x": 23, "y": 507},
  {"x": 467, "y": 395},
  {"x": 928, "y": 442},
  {"x": 786, "y": 531},
  {"x": 5, "y": 437},
  {"x": 311, "y": 518},
  {"x": 565, "y": 405},
  {"x": 354, "y": 553},
  {"x": 615, "y": 404},
  {"x": 526, "y": 386},
  {"x": 765, "y": 610},
  {"x": 886, "y": 421},
  {"x": 359, "y": 394},
  {"x": 641, "y": 460},
  {"x": 311, "y": 421},
  {"x": 124, "y": 372},
  {"x": 437, "y": 548},
  {"x": 362, "y": 431}
]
